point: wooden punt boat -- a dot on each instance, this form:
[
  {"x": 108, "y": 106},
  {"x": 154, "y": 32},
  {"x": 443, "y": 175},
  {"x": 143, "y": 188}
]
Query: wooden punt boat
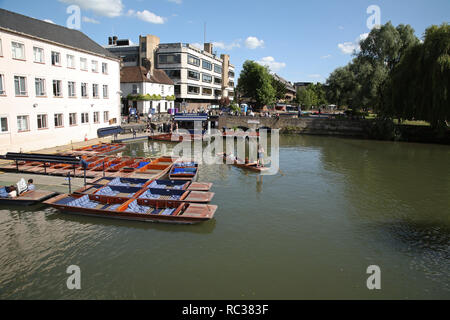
[
  {"x": 133, "y": 209},
  {"x": 155, "y": 184},
  {"x": 137, "y": 164},
  {"x": 184, "y": 171},
  {"x": 117, "y": 167},
  {"x": 27, "y": 198},
  {"x": 253, "y": 166},
  {"x": 174, "y": 137},
  {"x": 155, "y": 169}
]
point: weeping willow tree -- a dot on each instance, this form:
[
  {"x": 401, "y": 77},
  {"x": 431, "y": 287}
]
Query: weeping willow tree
[{"x": 418, "y": 87}]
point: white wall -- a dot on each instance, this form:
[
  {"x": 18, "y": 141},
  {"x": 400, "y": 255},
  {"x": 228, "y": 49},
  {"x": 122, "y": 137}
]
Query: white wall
[
  {"x": 151, "y": 89},
  {"x": 31, "y": 105}
]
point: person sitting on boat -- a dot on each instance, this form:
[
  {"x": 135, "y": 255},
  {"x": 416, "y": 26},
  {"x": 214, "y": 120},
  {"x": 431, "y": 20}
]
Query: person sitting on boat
[
  {"x": 30, "y": 185},
  {"x": 12, "y": 191}
]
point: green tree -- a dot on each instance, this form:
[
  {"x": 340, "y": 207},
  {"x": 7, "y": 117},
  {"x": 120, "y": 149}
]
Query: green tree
[
  {"x": 255, "y": 82},
  {"x": 280, "y": 89},
  {"x": 306, "y": 97}
]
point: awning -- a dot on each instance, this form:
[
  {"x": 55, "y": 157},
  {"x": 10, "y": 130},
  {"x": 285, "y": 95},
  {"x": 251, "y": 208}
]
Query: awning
[{"x": 191, "y": 117}]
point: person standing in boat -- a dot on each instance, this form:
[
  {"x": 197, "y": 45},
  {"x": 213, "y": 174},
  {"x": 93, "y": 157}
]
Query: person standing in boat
[{"x": 260, "y": 155}]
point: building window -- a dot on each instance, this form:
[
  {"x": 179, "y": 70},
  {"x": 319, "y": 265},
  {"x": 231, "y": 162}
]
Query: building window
[
  {"x": 3, "y": 124},
  {"x": 18, "y": 50},
  {"x": 104, "y": 68},
  {"x": 193, "y": 75},
  {"x": 95, "y": 90},
  {"x": 169, "y": 58},
  {"x": 56, "y": 58},
  {"x": 23, "y": 123},
  {"x": 20, "y": 84},
  {"x": 84, "y": 92},
  {"x": 217, "y": 69},
  {"x": 94, "y": 66},
  {"x": 135, "y": 89},
  {"x": 42, "y": 121},
  {"x": 206, "y": 91},
  {"x": 206, "y": 65},
  {"x": 85, "y": 117},
  {"x": 105, "y": 116},
  {"x": 83, "y": 64},
  {"x": 217, "y": 93},
  {"x": 70, "y": 61},
  {"x": 217, "y": 80},
  {"x": 59, "y": 120},
  {"x": 71, "y": 89},
  {"x": 193, "y": 90},
  {"x": 96, "y": 117},
  {"x": 39, "y": 84},
  {"x": 177, "y": 89},
  {"x": 206, "y": 78},
  {"x": 72, "y": 119},
  {"x": 193, "y": 60},
  {"x": 231, "y": 84},
  {"x": 38, "y": 55},
  {"x": 231, "y": 74},
  {"x": 173, "y": 74},
  {"x": 57, "y": 84},
  {"x": 105, "y": 92},
  {"x": 2, "y": 86}
]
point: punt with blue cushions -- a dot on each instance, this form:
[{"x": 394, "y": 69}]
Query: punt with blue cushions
[
  {"x": 185, "y": 164},
  {"x": 118, "y": 191},
  {"x": 162, "y": 194},
  {"x": 169, "y": 184},
  {"x": 134, "y": 207},
  {"x": 183, "y": 170}
]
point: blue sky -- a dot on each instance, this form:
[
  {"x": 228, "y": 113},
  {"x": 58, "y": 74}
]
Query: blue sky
[{"x": 300, "y": 40}]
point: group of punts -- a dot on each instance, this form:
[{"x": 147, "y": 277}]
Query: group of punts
[
  {"x": 252, "y": 166},
  {"x": 97, "y": 149},
  {"x": 184, "y": 171},
  {"x": 155, "y": 200}
]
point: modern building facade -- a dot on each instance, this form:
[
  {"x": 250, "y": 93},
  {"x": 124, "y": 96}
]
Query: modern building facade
[
  {"x": 149, "y": 91},
  {"x": 201, "y": 78},
  {"x": 290, "y": 89},
  {"x": 57, "y": 86}
]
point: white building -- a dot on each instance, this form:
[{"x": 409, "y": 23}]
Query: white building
[
  {"x": 57, "y": 86},
  {"x": 153, "y": 85}
]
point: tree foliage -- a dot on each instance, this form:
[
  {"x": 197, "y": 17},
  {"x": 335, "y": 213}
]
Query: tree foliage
[
  {"x": 312, "y": 95},
  {"x": 280, "y": 89},
  {"x": 255, "y": 82}
]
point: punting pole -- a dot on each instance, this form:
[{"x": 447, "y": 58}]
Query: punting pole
[{"x": 70, "y": 185}]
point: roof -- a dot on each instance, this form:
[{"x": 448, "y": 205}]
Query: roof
[
  {"x": 190, "y": 117},
  {"x": 139, "y": 74},
  {"x": 288, "y": 85},
  {"x": 51, "y": 32}
]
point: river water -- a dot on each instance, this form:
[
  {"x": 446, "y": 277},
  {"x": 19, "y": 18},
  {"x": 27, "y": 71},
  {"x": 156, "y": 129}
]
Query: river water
[{"x": 310, "y": 232}]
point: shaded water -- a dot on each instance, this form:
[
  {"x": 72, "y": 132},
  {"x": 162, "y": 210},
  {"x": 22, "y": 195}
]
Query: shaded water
[{"x": 339, "y": 206}]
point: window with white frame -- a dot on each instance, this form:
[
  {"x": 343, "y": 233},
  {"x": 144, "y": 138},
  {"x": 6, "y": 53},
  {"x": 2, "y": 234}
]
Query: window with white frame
[
  {"x": 1, "y": 48},
  {"x": 38, "y": 54},
  {"x": 23, "y": 123},
  {"x": 84, "y": 92},
  {"x": 4, "y": 124},
  {"x": 105, "y": 116},
  {"x": 18, "y": 50},
  {"x": 20, "y": 85},
  {"x": 104, "y": 68},
  {"x": 57, "y": 88},
  {"x": 56, "y": 58},
  {"x": 85, "y": 117},
  {"x": 94, "y": 66},
  {"x": 72, "y": 119},
  {"x": 2, "y": 85},
  {"x": 71, "y": 86},
  {"x": 105, "y": 91},
  {"x": 70, "y": 61},
  {"x": 59, "y": 123},
  {"x": 39, "y": 84},
  {"x": 83, "y": 64},
  {"x": 42, "y": 121},
  {"x": 95, "y": 90},
  {"x": 96, "y": 117},
  {"x": 135, "y": 89}
]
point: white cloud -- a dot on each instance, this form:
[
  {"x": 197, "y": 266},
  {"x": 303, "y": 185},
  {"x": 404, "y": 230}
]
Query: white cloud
[
  {"x": 176, "y": 1},
  {"x": 271, "y": 63},
  {"x": 49, "y": 21},
  {"x": 147, "y": 16},
  {"x": 90, "y": 20},
  {"x": 227, "y": 46},
  {"x": 341, "y": 28},
  {"x": 107, "y": 8},
  {"x": 253, "y": 43},
  {"x": 328, "y": 56},
  {"x": 350, "y": 47},
  {"x": 315, "y": 76}
]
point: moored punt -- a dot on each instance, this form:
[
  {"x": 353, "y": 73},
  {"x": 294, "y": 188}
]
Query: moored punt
[
  {"x": 253, "y": 166},
  {"x": 184, "y": 171},
  {"x": 137, "y": 164},
  {"x": 154, "y": 170},
  {"x": 133, "y": 209},
  {"x": 104, "y": 148},
  {"x": 175, "y": 137},
  {"x": 25, "y": 199}
]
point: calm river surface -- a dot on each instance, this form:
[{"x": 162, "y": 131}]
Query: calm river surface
[{"x": 339, "y": 206}]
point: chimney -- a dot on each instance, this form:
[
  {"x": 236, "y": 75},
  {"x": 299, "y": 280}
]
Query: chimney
[
  {"x": 115, "y": 40},
  {"x": 208, "y": 47},
  {"x": 110, "y": 41}
]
